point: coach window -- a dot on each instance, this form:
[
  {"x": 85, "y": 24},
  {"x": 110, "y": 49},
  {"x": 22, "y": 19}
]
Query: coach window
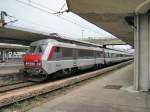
[
  {"x": 114, "y": 55},
  {"x": 97, "y": 54},
  {"x": 107, "y": 55},
  {"x": 111, "y": 55},
  {"x": 90, "y": 53},
  {"x": 117, "y": 55},
  {"x": 100, "y": 54}
]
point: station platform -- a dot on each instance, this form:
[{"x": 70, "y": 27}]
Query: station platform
[
  {"x": 110, "y": 93},
  {"x": 10, "y": 68},
  {"x": 9, "y": 73}
]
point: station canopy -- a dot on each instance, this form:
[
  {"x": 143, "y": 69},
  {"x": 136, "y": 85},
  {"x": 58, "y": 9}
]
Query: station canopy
[
  {"x": 17, "y": 35},
  {"x": 114, "y": 16}
]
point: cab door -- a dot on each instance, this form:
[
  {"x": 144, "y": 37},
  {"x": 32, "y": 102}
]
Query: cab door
[{"x": 57, "y": 58}]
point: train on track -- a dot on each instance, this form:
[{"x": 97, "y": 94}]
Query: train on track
[{"x": 51, "y": 57}]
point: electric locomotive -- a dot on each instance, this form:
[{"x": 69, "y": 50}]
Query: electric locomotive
[{"x": 50, "y": 57}]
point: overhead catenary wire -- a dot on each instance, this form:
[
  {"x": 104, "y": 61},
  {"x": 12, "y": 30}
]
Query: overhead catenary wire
[
  {"x": 35, "y": 24},
  {"x": 10, "y": 19},
  {"x": 55, "y": 13},
  {"x": 61, "y": 14},
  {"x": 60, "y": 11}
]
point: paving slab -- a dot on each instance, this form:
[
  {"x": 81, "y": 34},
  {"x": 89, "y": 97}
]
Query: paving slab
[{"x": 94, "y": 97}]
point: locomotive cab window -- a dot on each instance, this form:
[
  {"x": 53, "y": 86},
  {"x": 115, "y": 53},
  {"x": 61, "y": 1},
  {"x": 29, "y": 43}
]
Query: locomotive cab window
[
  {"x": 42, "y": 48},
  {"x": 32, "y": 49},
  {"x": 37, "y": 49},
  {"x": 67, "y": 53}
]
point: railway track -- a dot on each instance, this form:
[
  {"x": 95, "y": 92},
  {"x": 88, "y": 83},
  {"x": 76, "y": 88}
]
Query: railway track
[
  {"x": 27, "y": 90},
  {"x": 11, "y": 83},
  {"x": 9, "y": 87}
]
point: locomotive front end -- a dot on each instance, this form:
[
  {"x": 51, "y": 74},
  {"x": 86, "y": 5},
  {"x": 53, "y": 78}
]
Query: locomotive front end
[{"x": 33, "y": 62}]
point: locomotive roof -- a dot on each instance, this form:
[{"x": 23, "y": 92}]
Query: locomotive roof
[
  {"x": 44, "y": 41},
  {"x": 81, "y": 43}
]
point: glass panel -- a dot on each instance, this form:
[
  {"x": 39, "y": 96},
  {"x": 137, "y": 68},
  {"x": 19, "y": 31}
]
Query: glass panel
[
  {"x": 32, "y": 49},
  {"x": 37, "y": 49}
]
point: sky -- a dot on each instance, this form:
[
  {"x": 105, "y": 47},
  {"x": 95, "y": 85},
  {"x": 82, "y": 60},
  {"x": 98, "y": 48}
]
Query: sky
[{"x": 39, "y": 15}]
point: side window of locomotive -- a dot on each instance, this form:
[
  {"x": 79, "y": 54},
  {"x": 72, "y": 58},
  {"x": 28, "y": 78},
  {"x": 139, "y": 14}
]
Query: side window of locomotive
[
  {"x": 90, "y": 53},
  {"x": 117, "y": 55},
  {"x": 99, "y": 54},
  {"x": 83, "y": 54},
  {"x": 113, "y": 55},
  {"x": 80, "y": 53},
  {"x": 109, "y": 55},
  {"x": 106, "y": 55},
  {"x": 75, "y": 53},
  {"x": 56, "y": 54},
  {"x": 102, "y": 54},
  {"x": 67, "y": 53}
]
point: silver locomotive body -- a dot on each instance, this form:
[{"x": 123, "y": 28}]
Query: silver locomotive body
[{"x": 49, "y": 56}]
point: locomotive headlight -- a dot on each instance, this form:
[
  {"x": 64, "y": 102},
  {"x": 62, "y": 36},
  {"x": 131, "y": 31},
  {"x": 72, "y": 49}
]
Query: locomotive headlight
[
  {"x": 38, "y": 63},
  {"x": 27, "y": 63}
]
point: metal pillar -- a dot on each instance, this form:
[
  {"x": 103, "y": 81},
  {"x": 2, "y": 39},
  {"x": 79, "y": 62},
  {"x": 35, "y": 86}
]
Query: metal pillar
[
  {"x": 142, "y": 53},
  {"x": 2, "y": 18},
  {"x": 12, "y": 56},
  {"x": 7, "y": 55},
  {"x": 3, "y": 55}
]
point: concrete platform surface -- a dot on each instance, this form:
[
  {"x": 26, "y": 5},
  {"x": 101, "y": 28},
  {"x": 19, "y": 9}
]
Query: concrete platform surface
[
  {"x": 8, "y": 68},
  {"x": 94, "y": 97}
]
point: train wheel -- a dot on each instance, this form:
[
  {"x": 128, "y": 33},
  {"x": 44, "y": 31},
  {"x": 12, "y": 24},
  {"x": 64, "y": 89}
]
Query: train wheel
[
  {"x": 95, "y": 66},
  {"x": 99, "y": 66},
  {"x": 74, "y": 71}
]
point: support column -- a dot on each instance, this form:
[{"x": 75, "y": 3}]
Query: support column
[
  {"x": 142, "y": 53},
  {"x": 3, "y": 55},
  {"x": 13, "y": 59}
]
